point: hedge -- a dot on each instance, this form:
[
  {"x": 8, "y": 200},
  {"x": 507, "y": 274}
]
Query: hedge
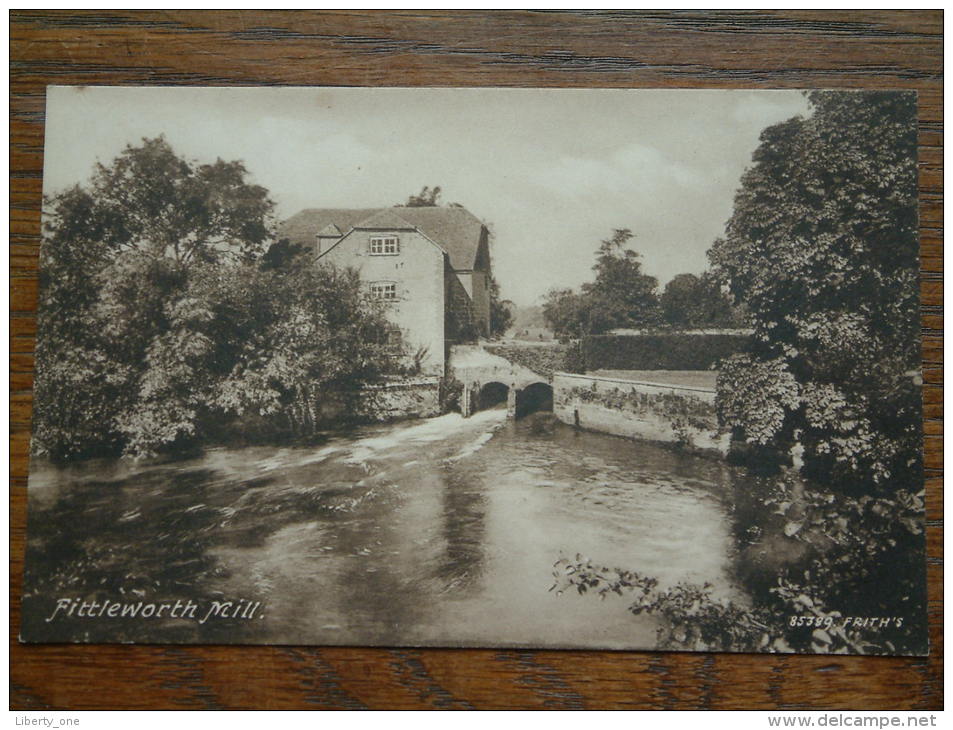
[{"x": 667, "y": 351}]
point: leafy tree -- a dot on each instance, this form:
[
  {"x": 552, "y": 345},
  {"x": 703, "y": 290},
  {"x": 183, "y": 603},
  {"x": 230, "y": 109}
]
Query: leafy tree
[
  {"x": 281, "y": 255},
  {"x": 117, "y": 257},
  {"x": 301, "y": 351},
  {"x": 426, "y": 198},
  {"x": 822, "y": 248},
  {"x": 501, "y": 310},
  {"x": 567, "y": 313},
  {"x": 164, "y": 312},
  {"x": 620, "y": 296},
  {"x": 152, "y": 200},
  {"x": 695, "y": 302}
]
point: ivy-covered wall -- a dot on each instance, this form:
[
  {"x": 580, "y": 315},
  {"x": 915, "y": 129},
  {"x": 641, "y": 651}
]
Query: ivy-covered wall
[
  {"x": 543, "y": 359},
  {"x": 395, "y": 400},
  {"x": 678, "y": 415},
  {"x": 418, "y": 398}
]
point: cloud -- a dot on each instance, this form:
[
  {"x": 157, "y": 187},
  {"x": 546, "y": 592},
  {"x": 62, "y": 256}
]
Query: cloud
[{"x": 631, "y": 172}]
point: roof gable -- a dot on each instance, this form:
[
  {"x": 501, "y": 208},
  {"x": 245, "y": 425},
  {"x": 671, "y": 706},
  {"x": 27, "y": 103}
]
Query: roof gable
[
  {"x": 456, "y": 230},
  {"x": 301, "y": 228},
  {"x": 384, "y": 219},
  {"x": 330, "y": 231}
]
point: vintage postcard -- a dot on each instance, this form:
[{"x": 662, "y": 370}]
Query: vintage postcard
[{"x": 625, "y": 369}]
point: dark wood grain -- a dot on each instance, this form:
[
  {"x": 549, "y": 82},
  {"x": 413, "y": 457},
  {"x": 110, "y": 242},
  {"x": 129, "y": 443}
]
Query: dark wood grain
[{"x": 783, "y": 49}]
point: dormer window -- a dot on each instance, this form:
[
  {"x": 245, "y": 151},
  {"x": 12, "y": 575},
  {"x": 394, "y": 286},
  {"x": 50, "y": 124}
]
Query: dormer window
[
  {"x": 384, "y": 246},
  {"x": 386, "y": 290}
]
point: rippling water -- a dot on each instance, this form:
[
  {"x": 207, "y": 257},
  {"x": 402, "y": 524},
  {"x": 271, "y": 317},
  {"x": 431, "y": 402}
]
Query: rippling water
[{"x": 435, "y": 532}]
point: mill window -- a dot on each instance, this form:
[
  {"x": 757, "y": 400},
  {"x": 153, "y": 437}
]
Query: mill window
[
  {"x": 384, "y": 290},
  {"x": 384, "y": 246}
]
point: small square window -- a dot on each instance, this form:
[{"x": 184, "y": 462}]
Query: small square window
[
  {"x": 384, "y": 290},
  {"x": 384, "y": 246}
]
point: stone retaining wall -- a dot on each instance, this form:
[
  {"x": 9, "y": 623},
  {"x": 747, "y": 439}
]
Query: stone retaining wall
[
  {"x": 640, "y": 409},
  {"x": 417, "y": 398}
]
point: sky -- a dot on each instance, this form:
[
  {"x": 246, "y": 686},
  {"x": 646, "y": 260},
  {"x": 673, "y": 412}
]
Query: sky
[{"x": 551, "y": 172}]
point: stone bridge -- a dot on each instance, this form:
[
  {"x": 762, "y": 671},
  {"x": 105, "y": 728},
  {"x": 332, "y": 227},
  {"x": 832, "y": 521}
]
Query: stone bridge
[{"x": 489, "y": 380}]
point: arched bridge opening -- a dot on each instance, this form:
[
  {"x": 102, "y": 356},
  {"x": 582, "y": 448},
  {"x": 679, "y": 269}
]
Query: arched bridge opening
[
  {"x": 533, "y": 398},
  {"x": 492, "y": 395}
]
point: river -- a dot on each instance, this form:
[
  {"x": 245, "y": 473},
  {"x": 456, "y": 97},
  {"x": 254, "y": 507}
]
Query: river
[{"x": 435, "y": 532}]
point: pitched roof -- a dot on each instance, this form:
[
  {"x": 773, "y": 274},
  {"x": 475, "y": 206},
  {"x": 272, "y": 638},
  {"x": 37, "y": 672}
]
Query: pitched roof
[
  {"x": 330, "y": 231},
  {"x": 385, "y": 218},
  {"x": 302, "y": 227},
  {"x": 456, "y": 230}
]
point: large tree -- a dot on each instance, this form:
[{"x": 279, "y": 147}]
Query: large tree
[
  {"x": 620, "y": 296},
  {"x": 167, "y": 309},
  {"x": 566, "y": 312},
  {"x": 694, "y": 302},
  {"x": 163, "y": 205},
  {"x": 822, "y": 248},
  {"x": 117, "y": 255}
]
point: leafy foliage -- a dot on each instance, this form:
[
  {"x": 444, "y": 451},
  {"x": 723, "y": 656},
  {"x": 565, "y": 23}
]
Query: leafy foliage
[
  {"x": 152, "y": 200},
  {"x": 165, "y": 313},
  {"x": 427, "y": 198},
  {"x": 542, "y": 359},
  {"x": 620, "y": 296},
  {"x": 501, "y": 310},
  {"x": 822, "y": 248},
  {"x": 822, "y": 251},
  {"x": 690, "y": 618},
  {"x": 567, "y": 313},
  {"x": 755, "y": 397},
  {"x": 451, "y": 391},
  {"x": 698, "y": 302}
]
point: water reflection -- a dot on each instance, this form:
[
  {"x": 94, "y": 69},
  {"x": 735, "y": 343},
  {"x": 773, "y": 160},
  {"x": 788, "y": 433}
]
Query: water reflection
[
  {"x": 464, "y": 529},
  {"x": 439, "y": 532}
]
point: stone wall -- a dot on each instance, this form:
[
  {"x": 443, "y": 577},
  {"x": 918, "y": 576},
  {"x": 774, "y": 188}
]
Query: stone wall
[
  {"x": 544, "y": 359},
  {"x": 417, "y": 398},
  {"x": 390, "y": 401},
  {"x": 679, "y": 415}
]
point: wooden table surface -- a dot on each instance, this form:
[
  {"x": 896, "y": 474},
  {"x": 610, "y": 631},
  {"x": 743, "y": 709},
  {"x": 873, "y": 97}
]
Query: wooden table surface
[{"x": 778, "y": 49}]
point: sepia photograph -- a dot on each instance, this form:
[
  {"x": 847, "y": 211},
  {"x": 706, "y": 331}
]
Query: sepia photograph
[{"x": 485, "y": 367}]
